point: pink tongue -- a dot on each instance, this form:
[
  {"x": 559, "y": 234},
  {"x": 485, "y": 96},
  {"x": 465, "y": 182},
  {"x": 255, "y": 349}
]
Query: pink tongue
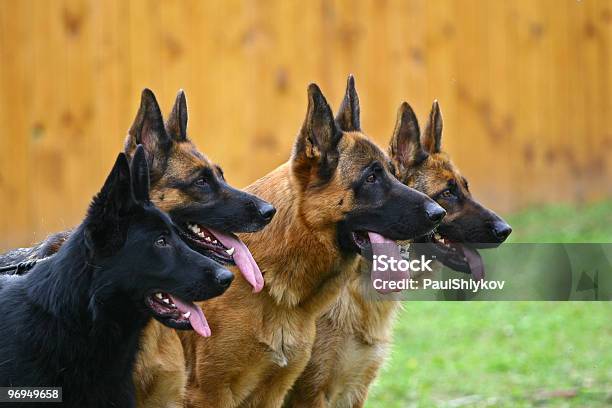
[
  {"x": 243, "y": 258},
  {"x": 388, "y": 247},
  {"x": 475, "y": 261},
  {"x": 196, "y": 316}
]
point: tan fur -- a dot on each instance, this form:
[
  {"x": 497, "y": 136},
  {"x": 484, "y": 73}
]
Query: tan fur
[
  {"x": 262, "y": 342},
  {"x": 354, "y": 335},
  {"x": 352, "y": 341},
  {"x": 159, "y": 374}
]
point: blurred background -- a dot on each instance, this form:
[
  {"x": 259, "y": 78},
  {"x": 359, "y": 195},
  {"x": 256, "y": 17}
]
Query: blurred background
[{"x": 525, "y": 89}]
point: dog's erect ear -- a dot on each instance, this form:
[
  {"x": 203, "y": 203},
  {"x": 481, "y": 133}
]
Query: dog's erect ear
[
  {"x": 176, "y": 126},
  {"x": 105, "y": 225},
  {"x": 348, "y": 114},
  {"x": 405, "y": 146},
  {"x": 115, "y": 197},
  {"x": 318, "y": 139},
  {"x": 432, "y": 139},
  {"x": 148, "y": 130},
  {"x": 140, "y": 176}
]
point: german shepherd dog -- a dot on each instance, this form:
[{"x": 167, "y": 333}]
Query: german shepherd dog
[
  {"x": 336, "y": 188},
  {"x": 354, "y": 336},
  {"x": 75, "y": 320},
  {"x": 193, "y": 191}
]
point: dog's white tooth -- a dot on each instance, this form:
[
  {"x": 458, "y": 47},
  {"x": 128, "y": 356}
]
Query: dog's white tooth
[
  {"x": 186, "y": 315},
  {"x": 215, "y": 242},
  {"x": 208, "y": 239},
  {"x": 158, "y": 295},
  {"x": 166, "y": 301},
  {"x": 230, "y": 251},
  {"x": 173, "y": 305},
  {"x": 201, "y": 234}
]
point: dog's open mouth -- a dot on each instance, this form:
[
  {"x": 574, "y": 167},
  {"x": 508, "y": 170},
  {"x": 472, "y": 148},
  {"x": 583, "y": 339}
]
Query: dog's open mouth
[
  {"x": 457, "y": 256},
  {"x": 225, "y": 248},
  {"x": 203, "y": 240},
  {"x": 374, "y": 244},
  {"x": 177, "y": 313},
  {"x": 362, "y": 241}
]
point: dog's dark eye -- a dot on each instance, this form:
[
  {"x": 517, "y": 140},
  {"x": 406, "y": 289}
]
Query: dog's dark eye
[
  {"x": 371, "y": 178},
  {"x": 161, "y": 242},
  {"x": 201, "y": 182},
  {"x": 447, "y": 194}
]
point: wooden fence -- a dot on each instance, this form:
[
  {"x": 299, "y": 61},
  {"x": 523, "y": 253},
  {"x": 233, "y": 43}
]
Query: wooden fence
[{"x": 525, "y": 88}]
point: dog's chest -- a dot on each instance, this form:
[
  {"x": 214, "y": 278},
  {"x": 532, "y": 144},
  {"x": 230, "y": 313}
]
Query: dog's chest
[{"x": 287, "y": 340}]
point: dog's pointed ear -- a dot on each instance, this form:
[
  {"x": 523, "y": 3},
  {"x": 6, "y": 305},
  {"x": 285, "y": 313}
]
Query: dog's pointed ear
[
  {"x": 348, "y": 117},
  {"x": 104, "y": 225},
  {"x": 140, "y": 176},
  {"x": 318, "y": 139},
  {"x": 432, "y": 139},
  {"x": 149, "y": 131},
  {"x": 176, "y": 125},
  {"x": 115, "y": 193},
  {"x": 405, "y": 146}
]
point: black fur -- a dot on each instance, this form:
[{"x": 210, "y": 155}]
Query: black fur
[
  {"x": 348, "y": 117},
  {"x": 386, "y": 206},
  {"x": 75, "y": 320},
  {"x": 215, "y": 204}
]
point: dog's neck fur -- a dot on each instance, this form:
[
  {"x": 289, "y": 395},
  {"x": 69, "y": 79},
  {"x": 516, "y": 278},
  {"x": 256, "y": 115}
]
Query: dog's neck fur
[
  {"x": 72, "y": 291},
  {"x": 78, "y": 302},
  {"x": 367, "y": 313},
  {"x": 304, "y": 269}
]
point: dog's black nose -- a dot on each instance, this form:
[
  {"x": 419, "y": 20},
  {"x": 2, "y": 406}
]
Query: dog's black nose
[
  {"x": 434, "y": 212},
  {"x": 501, "y": 230},
  {"x": 224, "y": 278},
  {"x": 266, "y": 211}
]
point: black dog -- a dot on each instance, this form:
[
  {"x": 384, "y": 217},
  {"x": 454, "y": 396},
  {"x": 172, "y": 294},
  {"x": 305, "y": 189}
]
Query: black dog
[{"x": 75, "y": 319}]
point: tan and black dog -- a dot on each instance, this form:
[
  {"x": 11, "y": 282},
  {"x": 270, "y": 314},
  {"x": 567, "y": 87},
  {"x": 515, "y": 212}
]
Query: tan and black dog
[
  {"x": 354, "y": 336},
  {"x": 335, "y": 192},
  {"x": 192, "y": 189}
]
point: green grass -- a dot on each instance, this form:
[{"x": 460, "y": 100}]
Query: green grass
[
  {"x": 510, "y": 354},
  {"x": 563, "y": 223}
]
